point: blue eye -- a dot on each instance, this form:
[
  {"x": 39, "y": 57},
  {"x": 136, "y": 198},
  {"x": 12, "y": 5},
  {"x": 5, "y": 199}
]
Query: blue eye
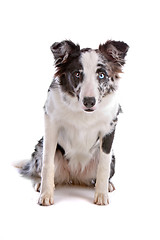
[{"x": 101, "y": 75}]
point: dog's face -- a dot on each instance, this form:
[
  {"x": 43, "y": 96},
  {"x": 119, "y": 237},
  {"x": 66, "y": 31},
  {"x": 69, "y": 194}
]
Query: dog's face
[{"x": 88, "y": 76}]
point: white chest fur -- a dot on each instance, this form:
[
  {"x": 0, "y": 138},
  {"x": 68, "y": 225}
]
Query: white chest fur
[
  {"x": 79, "y": 131},
  {"x": 79, "y": 144}
]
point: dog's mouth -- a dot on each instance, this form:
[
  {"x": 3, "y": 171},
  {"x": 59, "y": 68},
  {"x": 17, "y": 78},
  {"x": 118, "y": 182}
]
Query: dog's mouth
[{"x": 89, "y": 110}]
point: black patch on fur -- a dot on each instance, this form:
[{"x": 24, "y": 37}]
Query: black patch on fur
[
  {"x": 60, "y": 149},
  {"x": 66, "y": 86},
  {"x": 114, "y": 51},
  {"x": 67, "y": 63},
  {"x": 62, "y": 51},
  {"x": 112, "y": 166},
  {"x": 68, "y": 79},
  {"x": 66, "y": 55},
  {"x": 115, "y": 120},
  {"x": 86, "y": 50},
  {"x": 107, "y": 142}
]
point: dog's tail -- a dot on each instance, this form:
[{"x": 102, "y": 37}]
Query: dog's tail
[{"x": 32, "y": 167}]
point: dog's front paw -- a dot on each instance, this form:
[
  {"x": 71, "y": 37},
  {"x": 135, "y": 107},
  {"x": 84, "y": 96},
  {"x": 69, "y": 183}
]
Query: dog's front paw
[
  {"x": 46, "y": 199},
  {"x": 101, "y": 198}
]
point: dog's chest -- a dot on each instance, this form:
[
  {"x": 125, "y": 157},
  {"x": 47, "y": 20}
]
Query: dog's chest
[
  {"x": 78, "y": 143},
  {"x": 80, "y": 140}
]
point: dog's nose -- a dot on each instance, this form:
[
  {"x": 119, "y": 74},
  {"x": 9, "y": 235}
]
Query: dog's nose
[{"x": 89, "y": 102}]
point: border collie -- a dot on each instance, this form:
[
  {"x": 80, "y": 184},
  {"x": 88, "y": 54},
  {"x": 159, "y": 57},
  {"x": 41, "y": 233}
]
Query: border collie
[{"x": 80, "y": 117}]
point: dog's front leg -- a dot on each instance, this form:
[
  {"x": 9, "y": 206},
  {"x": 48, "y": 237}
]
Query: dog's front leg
[
  {"x": 47, "y": 176},
  {"x": 103, "y": 171}
]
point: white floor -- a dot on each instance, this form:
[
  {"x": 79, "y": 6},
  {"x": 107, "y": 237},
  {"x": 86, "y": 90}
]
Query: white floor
[{"x": 131, "y": 214}]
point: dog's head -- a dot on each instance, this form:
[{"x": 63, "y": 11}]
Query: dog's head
[{"x": 86, "y": 76}]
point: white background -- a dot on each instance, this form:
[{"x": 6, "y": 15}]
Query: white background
[{"x": 28, "y": 29}]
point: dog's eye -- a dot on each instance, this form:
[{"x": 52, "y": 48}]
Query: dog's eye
[
  {"x": 77, "y": 74},
  {"x": 101, "y": 75}
]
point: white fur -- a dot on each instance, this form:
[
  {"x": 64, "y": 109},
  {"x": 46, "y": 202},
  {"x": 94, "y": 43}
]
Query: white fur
[{"x": 90, "y": 86}]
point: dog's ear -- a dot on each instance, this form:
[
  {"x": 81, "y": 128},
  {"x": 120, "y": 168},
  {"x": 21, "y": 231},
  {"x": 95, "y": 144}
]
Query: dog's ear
[
  {"x": 62, "y": 50},
  {"x": 114, "y": 51}
]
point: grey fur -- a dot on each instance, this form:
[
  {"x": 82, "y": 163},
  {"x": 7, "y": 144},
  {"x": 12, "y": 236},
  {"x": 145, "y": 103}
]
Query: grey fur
[{"x": 34, "y": 166}]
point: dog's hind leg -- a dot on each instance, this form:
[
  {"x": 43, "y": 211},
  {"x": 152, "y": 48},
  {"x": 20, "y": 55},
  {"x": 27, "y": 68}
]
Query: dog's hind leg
[
  {"x": 32, "y": 167},
  {"x": 61, "y": 173}
]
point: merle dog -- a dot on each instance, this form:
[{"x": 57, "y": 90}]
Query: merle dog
[{"x": 80, "y": 120}]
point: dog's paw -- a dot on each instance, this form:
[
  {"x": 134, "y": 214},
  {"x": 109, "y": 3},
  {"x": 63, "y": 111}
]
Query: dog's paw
[
  {"x": 46, "y": 199},
  {"x": 101, "y": 198}
]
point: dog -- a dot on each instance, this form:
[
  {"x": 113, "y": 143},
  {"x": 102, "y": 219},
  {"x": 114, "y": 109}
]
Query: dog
[{"x": 80, "y": 116}]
